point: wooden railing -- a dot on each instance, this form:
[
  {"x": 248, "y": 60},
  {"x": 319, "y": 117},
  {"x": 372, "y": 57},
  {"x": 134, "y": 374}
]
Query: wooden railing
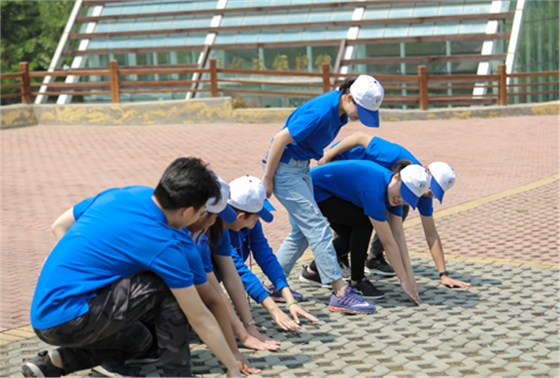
[{"x": 421, "y": 90}]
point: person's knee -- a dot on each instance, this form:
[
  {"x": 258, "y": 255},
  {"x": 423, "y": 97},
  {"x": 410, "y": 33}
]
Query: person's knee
[{"x": 139, "y": 340}]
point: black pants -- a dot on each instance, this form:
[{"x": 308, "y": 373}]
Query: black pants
[
  {"x": 376, "y": 247},
  {"x": 353, "y": 232},
  {"x": 112, "y": 329}
]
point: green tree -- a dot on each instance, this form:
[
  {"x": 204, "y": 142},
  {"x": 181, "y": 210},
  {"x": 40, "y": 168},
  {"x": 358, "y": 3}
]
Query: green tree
[{"x": 30, "y": 31}]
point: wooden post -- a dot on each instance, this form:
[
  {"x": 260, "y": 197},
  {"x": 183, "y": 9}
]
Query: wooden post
[
  {"x": 114, "y": 79},
  {"x": 326, "y": 77},
  {"x": 25, "y": 83},
  {"x": 423, "y": 87},
  {"x": 213, "y": 78},
  {"x": 502, "y": 85}
]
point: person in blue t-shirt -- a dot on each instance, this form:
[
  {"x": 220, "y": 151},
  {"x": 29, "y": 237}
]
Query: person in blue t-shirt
[
  {"x": 308, "y": 130},
  {"x": 210, "y": 294},
  {"x": 362, "y": 146},
  {"x": 122, "y": 259},
  {"x": 208, "y": 233},
  {"x": 237, "y": 277},
  {"x": 245, "y": 235},
  {"x": 356, "y": 195}
]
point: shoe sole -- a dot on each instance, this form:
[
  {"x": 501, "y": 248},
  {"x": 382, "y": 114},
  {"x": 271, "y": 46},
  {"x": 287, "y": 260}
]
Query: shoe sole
[
  {"x": 141, "y": 361},
  {"x": 379, "y": 272},
  {"x": 343, "y": 310},
  {"x": 104, "y": 372},
  {"x": 314, "y": 283},
  {"x": 30, "y": 370}
]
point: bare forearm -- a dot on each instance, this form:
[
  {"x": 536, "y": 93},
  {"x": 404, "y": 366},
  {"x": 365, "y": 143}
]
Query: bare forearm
[
  {"x": 223, "y": 316},
  {"x": 208, "y": 330},
  {"x": 395, "y": 259},
  {"x": 436, "y": 249},
  {"x": 236, "y": 292}
]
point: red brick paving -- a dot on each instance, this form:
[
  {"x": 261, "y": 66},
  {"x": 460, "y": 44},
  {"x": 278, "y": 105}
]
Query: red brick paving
[
  {"x": 517, "y": 227},
  {"x": 45, "y": 170}
]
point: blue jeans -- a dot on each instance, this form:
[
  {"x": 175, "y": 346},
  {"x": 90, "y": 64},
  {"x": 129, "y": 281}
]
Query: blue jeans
[{"x": 294, "y": 189}]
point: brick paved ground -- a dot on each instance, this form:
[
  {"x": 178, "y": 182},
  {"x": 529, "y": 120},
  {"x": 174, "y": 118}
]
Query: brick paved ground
[{"x": 498, "y": 234}]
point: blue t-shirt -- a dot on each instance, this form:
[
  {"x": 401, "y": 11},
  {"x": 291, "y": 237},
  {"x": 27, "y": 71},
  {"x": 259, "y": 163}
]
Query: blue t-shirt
[
  {"x": 313, "y": 126},
  {"x": 252, "y": 241},
  {"x": 386, "y": 154},
  {"x": 362, "y": 183},
  {"x": 118, "y": 233},
  {"x": 251, "y": 282}
]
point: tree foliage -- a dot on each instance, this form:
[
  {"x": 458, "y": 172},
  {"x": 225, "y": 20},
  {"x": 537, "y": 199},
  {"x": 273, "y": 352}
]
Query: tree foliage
[{"x": 30, "y": 31}]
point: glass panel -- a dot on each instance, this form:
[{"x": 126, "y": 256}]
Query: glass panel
[
  {"x": 446, "y": 29},
  {"x": 466, "y": 47},
  {"x": 421, "y": 29},
  {"x": 476, "y": 8},
  {"x": 425, "y": 11},
  {"x": 398, "y": 12},
  {"x": 448, "y": 10},
  {"x": 370, "y": 32},
  {"x": 425, "y": 48},
  {"x": 396, "y": 31},
  {"x": 376, "y": 14},
  {"x": 472, "y": 27}
]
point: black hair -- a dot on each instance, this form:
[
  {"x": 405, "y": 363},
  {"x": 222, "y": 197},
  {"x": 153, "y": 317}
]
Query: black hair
[
  {"x": 400, "y": 165},
  {"x": 186, "y": 182},
  {"x": 247, "y": 214},
  {"x": 345, "y": 86},
  {"x": 214, "y": 233}
]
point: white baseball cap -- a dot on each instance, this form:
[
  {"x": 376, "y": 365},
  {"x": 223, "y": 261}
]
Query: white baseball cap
[
  {"x": 249, "y": 194},
  {"x": 443, "y": 178},
  {"x": 221, "y": 207},
  {"x": 415, "y": 182},
  {"x": 368, "y": 94}
]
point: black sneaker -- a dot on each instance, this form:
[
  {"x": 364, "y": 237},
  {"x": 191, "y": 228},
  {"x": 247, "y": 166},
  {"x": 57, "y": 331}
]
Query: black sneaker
[
  {"x": 378, "y": 265},
  {"x": 344, "y": 269},
  {"x": 41, "y": 366},
  {"x": 150, "y": 357},
  {"x": 309, "y": 276},
  {"x": 117, "y": 369},
  {"x": 366, "y": 289}
]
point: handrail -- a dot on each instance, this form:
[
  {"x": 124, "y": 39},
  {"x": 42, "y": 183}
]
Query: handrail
[{"x": 421, "y": 90}]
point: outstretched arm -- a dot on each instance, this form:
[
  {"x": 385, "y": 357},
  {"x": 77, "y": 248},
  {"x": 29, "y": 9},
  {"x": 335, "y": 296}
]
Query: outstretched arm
[
  {"x": 215, "y": 303},
  {"x": 436, "y": 249},
  {"x": 250, "y": 337},
  {"x": 206, "y": 326},
  {"x": 395, "y": 256},
  {"x": 354, "y": 140}
]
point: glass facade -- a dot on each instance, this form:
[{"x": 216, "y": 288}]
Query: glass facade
[{"x": 301, "y": 35}]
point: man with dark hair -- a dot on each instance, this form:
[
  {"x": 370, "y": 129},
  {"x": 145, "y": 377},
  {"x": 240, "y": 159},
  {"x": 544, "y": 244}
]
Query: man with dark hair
[{"x": 121, "y": 259}]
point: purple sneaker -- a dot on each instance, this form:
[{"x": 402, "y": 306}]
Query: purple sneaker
[
  {"x": 277, "y": 296},
  {"x": 350, "y": 303}
]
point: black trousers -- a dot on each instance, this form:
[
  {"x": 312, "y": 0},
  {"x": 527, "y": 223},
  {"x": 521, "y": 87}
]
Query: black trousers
[
  {"x": 112, "y": 329},
  {"x": 353, "y": 233},
  {"x": 376, "y": 247}
]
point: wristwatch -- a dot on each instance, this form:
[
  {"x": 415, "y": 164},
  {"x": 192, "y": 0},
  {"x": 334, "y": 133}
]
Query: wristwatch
[{"x": 444, "y": 273}]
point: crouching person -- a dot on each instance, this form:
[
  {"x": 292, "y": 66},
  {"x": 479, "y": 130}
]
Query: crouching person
[{"x": 121, "y": 260}]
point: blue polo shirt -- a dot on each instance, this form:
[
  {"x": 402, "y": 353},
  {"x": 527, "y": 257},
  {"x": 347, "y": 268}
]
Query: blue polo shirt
[
  {"x": 362, "y": 183},
  {"x": 313, "y": 126},
  {"x": 386, "y": 154},
  {"x": 118, "y": 233}
]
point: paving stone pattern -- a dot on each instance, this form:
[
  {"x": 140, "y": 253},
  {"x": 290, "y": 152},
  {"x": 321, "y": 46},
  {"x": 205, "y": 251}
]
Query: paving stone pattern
[
  {"x": 522, "y": 227},
  {"x": 505, "y": 325}
]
